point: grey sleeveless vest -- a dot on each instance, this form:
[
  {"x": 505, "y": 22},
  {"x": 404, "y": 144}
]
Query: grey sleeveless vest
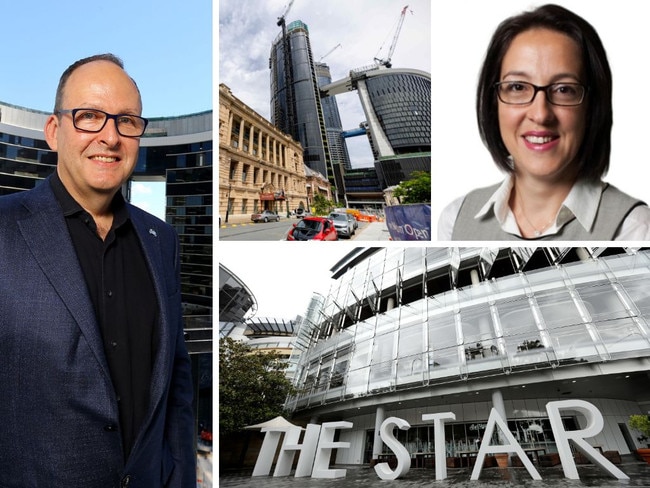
[{"x": 613, "y": 207}]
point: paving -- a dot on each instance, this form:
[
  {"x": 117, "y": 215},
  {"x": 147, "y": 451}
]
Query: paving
[
  {"x": 363, "y": 476},
  {"x": 374, "y": 231},
  {"x": 204, "y": 468}
]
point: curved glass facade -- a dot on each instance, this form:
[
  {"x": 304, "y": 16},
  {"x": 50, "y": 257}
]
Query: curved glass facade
[
  {"x": 402, "y": 102},
  {"x": 389, "y": 327},
  {"x": 408, "y": 331},
  {"x": 155, "y": 160},
  {"x": 24, "y": 161},
  {"x": 236, "y": 301}
]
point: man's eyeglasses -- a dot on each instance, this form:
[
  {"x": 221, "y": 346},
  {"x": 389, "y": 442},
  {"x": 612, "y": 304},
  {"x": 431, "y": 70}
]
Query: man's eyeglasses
[
  {"x": 93, "y": 120},
  {"x": 522, "y": 93}
]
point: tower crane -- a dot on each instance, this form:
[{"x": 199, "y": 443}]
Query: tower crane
[
  {"x": 329, "y": 52},
  {"x": 286, "y": 11},
  {"x": 288, "y": 67},
  {"x": 386, "y": 62}
]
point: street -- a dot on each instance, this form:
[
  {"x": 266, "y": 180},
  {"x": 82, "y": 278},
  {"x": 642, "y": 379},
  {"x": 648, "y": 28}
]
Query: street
[
  {"x": 204, "y": 471},
  {"x": 269, "y": 231}
]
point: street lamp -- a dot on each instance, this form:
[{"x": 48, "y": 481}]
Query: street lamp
[
  {"x": 228, "y": 202},
  {"x": 308, "y": 202}
]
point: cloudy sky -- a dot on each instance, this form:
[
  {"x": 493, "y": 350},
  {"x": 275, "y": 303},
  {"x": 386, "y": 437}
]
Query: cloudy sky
[
  {"x": 247, "y": 29},
  {"x": 283, "y": 276}
]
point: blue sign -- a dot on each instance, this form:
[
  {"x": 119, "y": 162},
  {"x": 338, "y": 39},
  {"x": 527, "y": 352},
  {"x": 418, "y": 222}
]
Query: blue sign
[{"x": 409, "y": 222}]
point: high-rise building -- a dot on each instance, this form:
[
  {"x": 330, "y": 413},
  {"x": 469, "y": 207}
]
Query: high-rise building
[
  {"x": 333, "y": 125},
  {"x": 397, "y": 106},
  {"x": 396, "y": 103},
  {"x": 296, "y": 107}
]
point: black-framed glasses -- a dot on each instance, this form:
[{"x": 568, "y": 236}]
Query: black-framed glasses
[
  {"x": 522, "y": 93},
  {"x": 93, "y": 120}
]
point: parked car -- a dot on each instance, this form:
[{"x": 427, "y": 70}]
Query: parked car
[
  {"x": 301, "y": 212},
  {"x": 265, "y": 216},
  {"x": 355, "y": 224},
  {"x": 313, "y": 229},
  {"x": 344, "y": 227}
]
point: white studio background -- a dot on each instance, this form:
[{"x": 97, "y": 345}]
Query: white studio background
[{"x": 461, "y": 31}]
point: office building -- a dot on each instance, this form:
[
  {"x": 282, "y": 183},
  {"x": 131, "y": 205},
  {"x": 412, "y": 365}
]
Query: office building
[{"x": 363, "y": 189}]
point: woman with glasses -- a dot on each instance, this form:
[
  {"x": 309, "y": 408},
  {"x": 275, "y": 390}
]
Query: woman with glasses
[{"x": 544, "y": 109}]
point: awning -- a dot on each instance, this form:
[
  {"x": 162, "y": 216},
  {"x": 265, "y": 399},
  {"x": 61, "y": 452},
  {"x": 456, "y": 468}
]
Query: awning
[{"x": 277, "y": 423}]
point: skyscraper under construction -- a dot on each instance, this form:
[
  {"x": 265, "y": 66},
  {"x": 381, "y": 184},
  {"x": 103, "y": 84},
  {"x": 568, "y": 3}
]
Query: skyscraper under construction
[
  {"x": 396, "y": 104},
  {"x": 296, "y": 107}
]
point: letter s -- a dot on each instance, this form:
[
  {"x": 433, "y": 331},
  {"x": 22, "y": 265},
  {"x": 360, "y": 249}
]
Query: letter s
[{"x": 403, "y": 456}]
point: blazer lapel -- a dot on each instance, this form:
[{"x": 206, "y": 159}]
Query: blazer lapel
[{"x": 48, "y": 239}]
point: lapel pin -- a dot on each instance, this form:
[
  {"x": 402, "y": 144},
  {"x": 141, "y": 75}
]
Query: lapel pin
[{"x": 153, "y": 233}]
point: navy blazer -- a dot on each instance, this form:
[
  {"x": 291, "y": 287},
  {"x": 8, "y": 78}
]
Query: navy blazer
[{"x": 58, "y": 409}]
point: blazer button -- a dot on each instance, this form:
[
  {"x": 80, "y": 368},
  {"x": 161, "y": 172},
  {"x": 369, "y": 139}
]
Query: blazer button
[
  {"x": 126, "y": 481},
  {"x": 110, "y": 428}
]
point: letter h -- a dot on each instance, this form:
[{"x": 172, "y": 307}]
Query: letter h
[{"x": 290, "y": 445}]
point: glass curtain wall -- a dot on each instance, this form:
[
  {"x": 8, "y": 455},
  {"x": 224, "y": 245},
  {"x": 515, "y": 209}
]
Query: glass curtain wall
[{"x": 387, "y": 325}]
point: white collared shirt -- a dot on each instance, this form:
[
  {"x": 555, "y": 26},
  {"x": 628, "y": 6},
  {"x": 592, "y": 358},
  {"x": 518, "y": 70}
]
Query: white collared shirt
[{"x": 581, "y": 203}]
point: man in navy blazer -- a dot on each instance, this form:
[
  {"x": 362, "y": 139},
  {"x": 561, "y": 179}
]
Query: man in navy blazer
[{"x": 94, "y": 393}]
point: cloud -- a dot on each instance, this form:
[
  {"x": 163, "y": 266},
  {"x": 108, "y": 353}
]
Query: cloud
[
  {"x": 138, "y": 188},
  {"x": 288, "y": 297}
]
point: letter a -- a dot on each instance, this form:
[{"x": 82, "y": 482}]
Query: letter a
[{"x": 510, "y": 445}]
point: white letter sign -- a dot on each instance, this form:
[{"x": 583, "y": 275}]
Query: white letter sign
[
  {"x": 403, "y": 457},
  {"x": 595, "y": 424},
  {"x": 510, "y": 445},
  {"x": 439, "y": 439},
  {"x": 325, "y": 445}
]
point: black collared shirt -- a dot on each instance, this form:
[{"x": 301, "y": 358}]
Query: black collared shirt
[{"x": 122, "y": 293}]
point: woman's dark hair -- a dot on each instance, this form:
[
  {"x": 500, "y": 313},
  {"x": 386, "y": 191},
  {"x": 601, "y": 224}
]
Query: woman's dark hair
[{"x": 593, "y": 155}]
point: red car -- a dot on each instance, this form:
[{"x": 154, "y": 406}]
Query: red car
[{"x": 313, "y": 229}]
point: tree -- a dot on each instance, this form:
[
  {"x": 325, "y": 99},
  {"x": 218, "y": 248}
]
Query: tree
[
  {"x": 642, "y": 424},
  {"x": 252, "y": 386},
  {"x": 415, "y": 190},
  {"x": 322, "y": 205}
]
